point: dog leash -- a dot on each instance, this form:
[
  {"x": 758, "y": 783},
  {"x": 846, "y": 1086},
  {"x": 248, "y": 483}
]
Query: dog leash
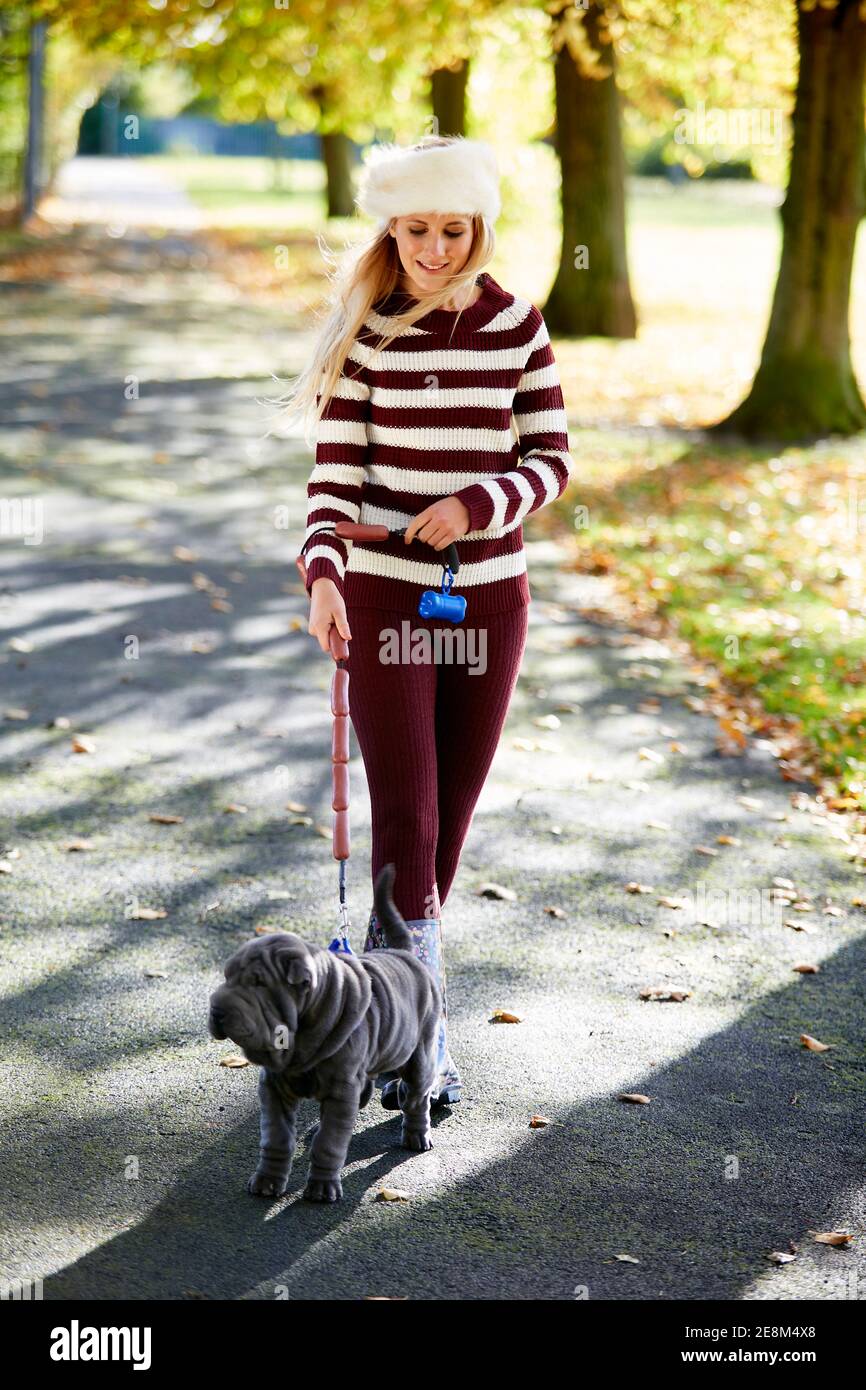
[
  {"x": 432, "y": 604},
  {"x": 444, "y": 605}
]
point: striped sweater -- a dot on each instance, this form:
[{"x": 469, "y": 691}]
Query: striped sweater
[{"x": 430, "y": 418}]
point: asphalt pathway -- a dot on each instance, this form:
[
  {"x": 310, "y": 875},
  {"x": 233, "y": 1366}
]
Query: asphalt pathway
[{"x": 132, "y": 399}]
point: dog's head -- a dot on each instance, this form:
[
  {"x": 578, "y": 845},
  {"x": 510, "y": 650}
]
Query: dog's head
[{"x": 269, "y": 983}]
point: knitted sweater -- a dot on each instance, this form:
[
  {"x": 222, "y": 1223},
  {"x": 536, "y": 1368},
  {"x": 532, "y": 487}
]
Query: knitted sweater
[{"x": 427, "y": 419}]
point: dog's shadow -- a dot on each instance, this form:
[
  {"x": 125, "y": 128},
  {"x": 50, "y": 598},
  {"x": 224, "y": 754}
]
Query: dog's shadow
[{"x": 208, "y": 1222}]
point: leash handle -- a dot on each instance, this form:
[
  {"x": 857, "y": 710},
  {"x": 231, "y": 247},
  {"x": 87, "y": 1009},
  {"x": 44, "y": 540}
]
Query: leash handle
[{"x": 340, "y": 745}]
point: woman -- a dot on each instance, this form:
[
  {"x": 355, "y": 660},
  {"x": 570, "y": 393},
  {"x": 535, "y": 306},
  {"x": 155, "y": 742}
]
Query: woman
[{"x": 423, "y": 367}]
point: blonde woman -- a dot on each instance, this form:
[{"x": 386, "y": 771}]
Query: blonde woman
[{"x": 424, "y": 368}]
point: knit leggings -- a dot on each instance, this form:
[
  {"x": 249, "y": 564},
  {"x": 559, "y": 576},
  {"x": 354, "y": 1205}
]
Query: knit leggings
[{"x": 428, "y": 730}]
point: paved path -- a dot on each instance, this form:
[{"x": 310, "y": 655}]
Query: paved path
[{"x": 126, "y": 1146}]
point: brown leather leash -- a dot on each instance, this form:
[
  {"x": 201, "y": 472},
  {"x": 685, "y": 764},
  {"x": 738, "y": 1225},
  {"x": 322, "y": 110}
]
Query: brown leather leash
[{"x": 341, "y": 839}]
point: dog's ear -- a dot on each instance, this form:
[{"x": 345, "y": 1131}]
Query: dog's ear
[{"x": 297, "y": 969}]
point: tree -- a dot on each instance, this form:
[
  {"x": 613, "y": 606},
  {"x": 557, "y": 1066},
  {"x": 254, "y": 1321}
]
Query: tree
[
  {"x": 805, "y": 384},
  {"x": 591, "y": 293}
]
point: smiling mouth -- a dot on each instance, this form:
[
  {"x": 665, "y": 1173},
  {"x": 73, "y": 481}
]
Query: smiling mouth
[{"x": 433, "y": 269}]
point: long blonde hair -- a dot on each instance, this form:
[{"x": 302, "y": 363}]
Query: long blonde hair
[{"x": 369, "y": 271}]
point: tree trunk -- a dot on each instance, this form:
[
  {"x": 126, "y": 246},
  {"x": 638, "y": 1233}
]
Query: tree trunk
[
  {"x": 448, "y": 91},
  {"x": 805, "y": 385},
  {"x": 591, "y": 294},
  {"x": 33, "y": 157},
  {"x": 337, "y": 156}
]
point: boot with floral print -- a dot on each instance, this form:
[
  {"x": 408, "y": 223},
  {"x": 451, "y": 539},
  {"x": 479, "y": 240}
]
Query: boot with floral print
[{"x": 426, "y": 933}]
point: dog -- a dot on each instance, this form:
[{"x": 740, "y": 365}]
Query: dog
[{"x": 324, "y": 1025}]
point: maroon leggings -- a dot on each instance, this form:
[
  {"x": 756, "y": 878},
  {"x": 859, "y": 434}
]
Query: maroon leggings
[{"x": 428, "y": 731}]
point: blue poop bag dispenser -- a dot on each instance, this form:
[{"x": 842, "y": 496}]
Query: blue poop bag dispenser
[{"x": 451, "y": 607}]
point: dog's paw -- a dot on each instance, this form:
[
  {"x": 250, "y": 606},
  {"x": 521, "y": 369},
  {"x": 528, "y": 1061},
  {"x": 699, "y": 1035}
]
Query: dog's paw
[
  {"x": 264, "y": 1184},
  {"x": 418, "y": 1142},
  {"x": 323, "y": 1190}
]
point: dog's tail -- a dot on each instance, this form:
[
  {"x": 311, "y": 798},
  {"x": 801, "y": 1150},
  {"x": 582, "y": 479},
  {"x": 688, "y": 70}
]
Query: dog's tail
[{"x": 396, "y": 932}]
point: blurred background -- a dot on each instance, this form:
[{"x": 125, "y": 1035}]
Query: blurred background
[
  {"x": 683, "y": 195},
  {"x": 683, "y": 187}
]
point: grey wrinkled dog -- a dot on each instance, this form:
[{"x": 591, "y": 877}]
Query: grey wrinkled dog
[{"x": 325, "y": 1025}]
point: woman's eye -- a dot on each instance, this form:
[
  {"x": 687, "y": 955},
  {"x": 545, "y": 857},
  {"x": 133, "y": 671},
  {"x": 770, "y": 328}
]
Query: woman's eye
[{"x": 419, "y": 231}]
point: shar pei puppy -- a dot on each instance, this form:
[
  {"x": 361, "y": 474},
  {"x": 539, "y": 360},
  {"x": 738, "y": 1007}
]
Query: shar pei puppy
[{"x": 324, "y": 1025}]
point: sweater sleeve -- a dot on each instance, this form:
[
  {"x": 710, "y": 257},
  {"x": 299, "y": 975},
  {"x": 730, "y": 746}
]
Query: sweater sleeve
[
  {"x": 334, "y": 487},
  {"x": 501, "y": 502}
]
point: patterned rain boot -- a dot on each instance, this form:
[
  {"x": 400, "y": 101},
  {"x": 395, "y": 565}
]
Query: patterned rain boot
[{"x": 426, "y": 934}]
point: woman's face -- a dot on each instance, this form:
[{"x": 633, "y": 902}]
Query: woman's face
[{"x": 433, "y": 246}]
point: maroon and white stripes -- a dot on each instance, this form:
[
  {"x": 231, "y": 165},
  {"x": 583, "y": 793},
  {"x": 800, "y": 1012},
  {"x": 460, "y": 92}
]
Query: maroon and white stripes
[{"x": 434, "y": 416}]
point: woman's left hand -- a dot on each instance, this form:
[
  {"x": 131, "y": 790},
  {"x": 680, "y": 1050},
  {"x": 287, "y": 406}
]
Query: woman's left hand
[{"x": 446, "y": 521}]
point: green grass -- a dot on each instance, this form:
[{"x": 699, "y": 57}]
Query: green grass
[
  {"x": 243, "y": 192},
  {"x": 757, "y": 558}
]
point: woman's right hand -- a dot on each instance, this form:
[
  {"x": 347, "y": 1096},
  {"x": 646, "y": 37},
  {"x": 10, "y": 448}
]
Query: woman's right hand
[{"x": 327, "y": 610}]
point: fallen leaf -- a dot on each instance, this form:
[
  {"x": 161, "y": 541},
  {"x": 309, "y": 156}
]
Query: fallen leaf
[
  {"x": 806, "y": 927},
  {"x": 61, "y": 722},
  {"x": 159, "y": 818},
  {"x": 82, "y": 743},
  {"x": 839, "y": 1238},
  {"x": 502, "y": 1016},
  {"x": 496, "y": 890},
  {"x": 554, "y": 912},
  {"x": 19, "y": 644},
  {"x": 77, "y": 846},
  {"x": 634, "y": 1098},
  {"x": 547, "y": 721},
  {"x": 784, "y": 883},
  {"x": 147, "y": 914},
  {"x": 780, "y": 1257},
  {"x": 233, "y": 1059},
  {"x": 657, "y": 825},
  {"x": 628, "y": 1259},
  {"x": 706, "y": 849},
  {"x": 155, "y": 975},
  {"x": 672, "y": 902},
  {"x": 751, "y": 803},
  {"x": 234, "y": 808},
  {"x": 295, "y": 806},
  {"x": 806, "y": 969},
  {"x": 813, "y": 1045},
  {"x": 538, "y": 1122},
  {"x": 393, "y": 1194},
  {"x": 638, "y": 888},
  {"x": 733, "y": 732},
  {"x": 186, "y": 557},
  {"x": 662, "y": 995},
  {"x": 649, "y": 755},
  {"x": 728, "y": 840},
  {"x": 16, "y": 714}
]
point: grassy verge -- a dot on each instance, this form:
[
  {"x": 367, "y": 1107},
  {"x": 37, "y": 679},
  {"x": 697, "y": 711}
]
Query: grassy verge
[{"x": 757, "y": 559}]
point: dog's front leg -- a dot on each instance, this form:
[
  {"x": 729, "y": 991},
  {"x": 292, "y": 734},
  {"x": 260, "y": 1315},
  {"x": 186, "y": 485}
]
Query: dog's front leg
[
  {"x": 278, "y": 1123},
  {"x": 331, "y": 1144}
]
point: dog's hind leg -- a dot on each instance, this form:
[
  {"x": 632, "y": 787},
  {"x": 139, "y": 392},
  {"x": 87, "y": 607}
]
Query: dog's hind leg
[
  {"x": 278, "y": 1118},
  {"x": 415, "y": 1090}
]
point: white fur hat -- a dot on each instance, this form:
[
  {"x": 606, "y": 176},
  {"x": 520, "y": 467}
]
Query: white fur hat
[{"x": 462, "y": 177}]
